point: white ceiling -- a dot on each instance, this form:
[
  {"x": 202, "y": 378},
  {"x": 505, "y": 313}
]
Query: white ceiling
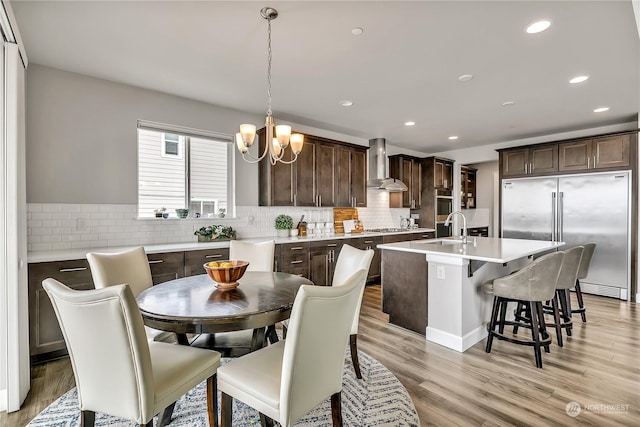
[{"x": 405, "y": 66}]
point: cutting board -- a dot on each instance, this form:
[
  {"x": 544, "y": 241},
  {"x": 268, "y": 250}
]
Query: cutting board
[{"x": 341, "y": 214}]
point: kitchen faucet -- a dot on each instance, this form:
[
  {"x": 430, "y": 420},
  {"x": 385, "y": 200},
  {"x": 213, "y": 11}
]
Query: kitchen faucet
[{"x": 464, "y": 224}]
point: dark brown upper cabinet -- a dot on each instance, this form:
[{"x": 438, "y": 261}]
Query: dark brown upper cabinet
[
  {"x": 467, "y": 187},
  {"x": 529, "y": 160},
  {"x": 408, "y": 170},
  {"x": 443, "y": 174},
  {"x": 327, "y": 173},
  {"x": 597, "y": 153},
  {"x": 607, "y": 152}
]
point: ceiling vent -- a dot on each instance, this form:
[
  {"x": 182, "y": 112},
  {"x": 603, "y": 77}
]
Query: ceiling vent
[{"x": 378, "y": 177}]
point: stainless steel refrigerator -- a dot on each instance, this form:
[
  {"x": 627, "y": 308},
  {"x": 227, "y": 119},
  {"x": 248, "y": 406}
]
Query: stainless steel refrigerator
[{"x": 577, "y": 209}]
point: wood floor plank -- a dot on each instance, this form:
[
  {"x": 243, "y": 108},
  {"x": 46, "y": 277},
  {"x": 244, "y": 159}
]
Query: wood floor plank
[{"x": 598, "y": 366}]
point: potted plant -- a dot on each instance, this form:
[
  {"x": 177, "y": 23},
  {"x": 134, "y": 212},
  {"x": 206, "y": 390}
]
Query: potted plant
[
  {"x": 284, "y": 223},
  {"x": 215, "y": 232}
]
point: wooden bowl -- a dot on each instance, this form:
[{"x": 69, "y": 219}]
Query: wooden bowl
[{"x": 226, "y": 277}]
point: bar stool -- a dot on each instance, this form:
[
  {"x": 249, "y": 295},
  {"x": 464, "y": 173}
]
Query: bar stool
[
  {"x": 583, "y": 271},
  {"x": 532, "y": 285},
  {"x": 560, "y": 305}
]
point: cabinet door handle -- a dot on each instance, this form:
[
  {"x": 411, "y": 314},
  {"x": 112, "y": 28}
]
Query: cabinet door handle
[
  {"x": 156, "y": 261},
  {"x": 276, "y": 265},
  {"x": 295, "y": 199},
  {"x": 588, "y": 162},
  {"x": 368, "y": 241},
  {"x": 320, "y": 200},
  {"x": 332, "y": 245},
  {"x": 298, "y": 261},
  {"x": 214, "y": 256},
  {"x": 297, "y": 248},
  {"x": 72, "y": 269}
]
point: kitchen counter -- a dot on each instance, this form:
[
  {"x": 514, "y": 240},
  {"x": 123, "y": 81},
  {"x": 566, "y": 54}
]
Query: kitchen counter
[
  {"x": 434, "y": 287},
  {"x": 488, "y": 249},
  {"x": 80, "y": 253}
]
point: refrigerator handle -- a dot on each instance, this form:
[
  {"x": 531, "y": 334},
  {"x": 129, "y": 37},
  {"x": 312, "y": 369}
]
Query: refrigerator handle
[
  {"x": 560, "y": 216},
  {"x": 553, "y": 217}
]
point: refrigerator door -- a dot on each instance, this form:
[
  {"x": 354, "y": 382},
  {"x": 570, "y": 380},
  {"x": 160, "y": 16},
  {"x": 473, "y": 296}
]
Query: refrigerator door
[
  {"x": 595, "y": 208},
  {"x": 528, "y": 208}
]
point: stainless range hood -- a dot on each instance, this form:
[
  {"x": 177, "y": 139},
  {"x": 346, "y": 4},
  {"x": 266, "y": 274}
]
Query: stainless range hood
[{"x": 378, "y": 177}]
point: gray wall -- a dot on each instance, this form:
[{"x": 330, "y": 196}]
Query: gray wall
[{"x": 82, "y": 136}]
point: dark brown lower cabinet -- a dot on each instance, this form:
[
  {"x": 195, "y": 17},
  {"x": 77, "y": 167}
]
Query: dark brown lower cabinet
[
  {"x": 194, "y": 260},
  {"x": 365, "y": 243},
  {"x": 322, "y": 261},
  {"x": 294, "y": 258},
  {"x": 46, "y": 341},
  {"x": 166, "y": 266},
  {"x": 477, "y": 231}
]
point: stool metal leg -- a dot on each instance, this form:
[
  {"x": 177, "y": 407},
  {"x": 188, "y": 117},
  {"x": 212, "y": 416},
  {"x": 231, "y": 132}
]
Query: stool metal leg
[
  {"x": 492, "y": 323},
  {"x": 556, "y": 318},
  {"x": 581, "y": 308}
]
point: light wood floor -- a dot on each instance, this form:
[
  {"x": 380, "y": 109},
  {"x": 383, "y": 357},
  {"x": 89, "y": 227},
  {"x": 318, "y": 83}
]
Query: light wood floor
[{"x": 599, "y": 368}]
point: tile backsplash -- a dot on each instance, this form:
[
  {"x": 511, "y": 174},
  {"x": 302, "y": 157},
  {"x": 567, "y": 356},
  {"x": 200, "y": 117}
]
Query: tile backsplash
[{"x": 53, "y": 226}]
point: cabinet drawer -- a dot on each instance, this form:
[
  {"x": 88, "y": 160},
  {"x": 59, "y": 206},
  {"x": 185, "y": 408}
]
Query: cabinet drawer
[
  {"x": 328, "y": 244},
  {"x": 366, "y": 242},
  {"x": 293, "y": 248},
  {"x": 395, "y": 238},
  {"x": 194, "y": 260},
  {"x": 477, "y": 231},
  {"x": 166, "y": 266},
  {"x": 423, "y": 236}
]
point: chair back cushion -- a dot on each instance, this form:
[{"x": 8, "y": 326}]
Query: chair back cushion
[
  {"x": 569, "y": 269},
  {"x": 129, "y": 267},
  {"x": 585, "y": 262},
  {"x": 316, "y": 343},
  {"x": 535, "y": 282},
  {"x": 107, "y": 344},
  {"x": 349, "y": 261},
  {"x": 259, "y": 254}
]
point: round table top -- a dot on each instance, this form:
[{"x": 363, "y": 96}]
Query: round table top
[{"x": 194, "y": 304}]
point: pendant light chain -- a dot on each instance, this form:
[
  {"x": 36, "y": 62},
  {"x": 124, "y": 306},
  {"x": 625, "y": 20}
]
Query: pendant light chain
[
  {"x": 277, "y": 138},
  {"x": 269, "y": 112}
]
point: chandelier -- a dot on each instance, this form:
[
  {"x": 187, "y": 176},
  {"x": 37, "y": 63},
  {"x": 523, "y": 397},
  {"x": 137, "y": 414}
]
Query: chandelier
[{"x": 277, "y": 138}]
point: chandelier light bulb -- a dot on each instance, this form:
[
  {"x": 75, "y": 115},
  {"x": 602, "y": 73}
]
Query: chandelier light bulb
[
  {"x": 248, "y": 133},
  {"x": 283, "y": 133},
  {"x": 240, "y": 143},
  {"x": 297, "y": 141}
]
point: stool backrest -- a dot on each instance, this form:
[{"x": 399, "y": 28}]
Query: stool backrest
[
  {"x": 569, "y": 269},
  {"x": 587, "y": 255},
  {"x": 535, "y": 282}
]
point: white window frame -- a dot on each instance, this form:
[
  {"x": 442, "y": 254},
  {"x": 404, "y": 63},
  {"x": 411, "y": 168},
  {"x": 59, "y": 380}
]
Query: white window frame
[{"x": 198, "y": 133}]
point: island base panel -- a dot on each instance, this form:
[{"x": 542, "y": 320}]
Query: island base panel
[{"x": 404, "y": 289}]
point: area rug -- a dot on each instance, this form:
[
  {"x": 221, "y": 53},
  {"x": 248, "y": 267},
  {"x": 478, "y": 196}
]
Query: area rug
[{"x": 378, "y": 399}]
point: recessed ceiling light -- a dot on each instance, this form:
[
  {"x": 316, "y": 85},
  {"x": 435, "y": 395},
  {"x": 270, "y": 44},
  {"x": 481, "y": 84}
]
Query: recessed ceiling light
[
  {"x": 508, "y": 103},
  {"x": 538, "y": 27},
  {"x": 578, "y": 79},
  {"x": 465, "y": 77},
  {"x": 357, "y": 31},
  {"x": 409, "y": 123},
  {"x": 601, "y": 109},
  {"x": 453, "y": 137},
  {"x": 346, "y": 103}
]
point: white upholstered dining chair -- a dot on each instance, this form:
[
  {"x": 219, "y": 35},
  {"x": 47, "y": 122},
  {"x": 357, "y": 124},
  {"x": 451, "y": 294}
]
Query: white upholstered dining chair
[
  {"x": 286, "y": 380},
  {"x": 129, "y": 267},
  {"x": 258, "y": 254},
  {"x": 351, "y": 259},
  {"x": 117, "y": 370}
]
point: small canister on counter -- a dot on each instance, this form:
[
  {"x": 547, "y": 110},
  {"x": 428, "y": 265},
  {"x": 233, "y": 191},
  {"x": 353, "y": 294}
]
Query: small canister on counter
[{"x": 302, "y": 228}]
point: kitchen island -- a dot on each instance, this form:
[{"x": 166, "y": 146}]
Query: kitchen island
[{"x": 433, "y": 287}]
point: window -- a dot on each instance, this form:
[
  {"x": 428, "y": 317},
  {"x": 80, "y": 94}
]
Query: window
[
  {"x": 183, "y": 168},
  {"x": 172, "y": 145}
]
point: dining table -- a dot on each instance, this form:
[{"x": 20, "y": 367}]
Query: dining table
[{"x": 194, "y": 305}]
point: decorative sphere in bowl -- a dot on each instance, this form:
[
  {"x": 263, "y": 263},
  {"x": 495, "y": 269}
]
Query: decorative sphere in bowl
[{"x": 226, "y": 273}]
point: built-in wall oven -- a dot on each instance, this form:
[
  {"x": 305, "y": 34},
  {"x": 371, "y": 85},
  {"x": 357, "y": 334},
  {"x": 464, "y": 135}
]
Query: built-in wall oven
[{"x": 444, "y": 206}]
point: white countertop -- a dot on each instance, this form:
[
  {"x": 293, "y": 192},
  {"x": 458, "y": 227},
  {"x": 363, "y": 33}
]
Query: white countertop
[
  {"x": 489, "y": 249},
  {"x": 81, "y": 253}
]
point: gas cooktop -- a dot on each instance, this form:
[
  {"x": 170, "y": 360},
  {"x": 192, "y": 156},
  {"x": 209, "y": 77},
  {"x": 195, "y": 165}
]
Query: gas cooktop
[{"x": 383, "y": 230}]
